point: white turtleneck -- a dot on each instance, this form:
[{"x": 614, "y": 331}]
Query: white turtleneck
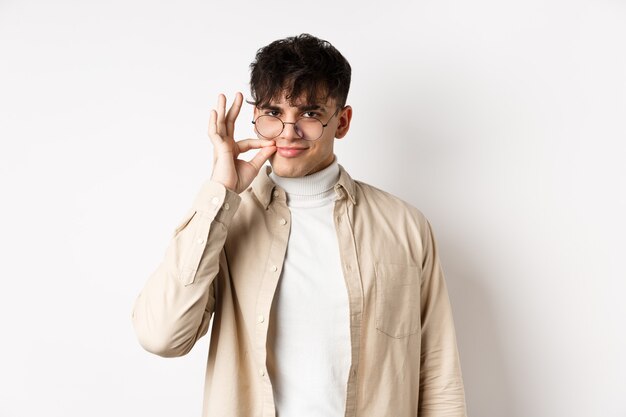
[{"x": 309, "y": 334}]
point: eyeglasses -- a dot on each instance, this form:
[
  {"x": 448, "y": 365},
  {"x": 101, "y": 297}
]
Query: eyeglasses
[{"x": 308, "y": 128}]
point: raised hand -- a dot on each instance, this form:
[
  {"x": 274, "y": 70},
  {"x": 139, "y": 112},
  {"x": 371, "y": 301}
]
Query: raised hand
[{"x": 234, "y": 173}]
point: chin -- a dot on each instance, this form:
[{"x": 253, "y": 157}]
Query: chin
[
  {"x": 283, "y": 169},
  {"x": 287, "y": 173}
]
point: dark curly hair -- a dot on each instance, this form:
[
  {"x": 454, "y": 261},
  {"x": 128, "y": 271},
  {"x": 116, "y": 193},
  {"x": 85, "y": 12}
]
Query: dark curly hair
[{"x": 302, "y": 66}]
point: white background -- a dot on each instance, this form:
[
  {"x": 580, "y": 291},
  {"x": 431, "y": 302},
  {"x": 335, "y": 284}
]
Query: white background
[{"x": 504, "y": 122}]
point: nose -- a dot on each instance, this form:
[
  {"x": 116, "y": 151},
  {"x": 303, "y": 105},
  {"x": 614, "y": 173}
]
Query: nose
[{"x": 290, "y": 131}]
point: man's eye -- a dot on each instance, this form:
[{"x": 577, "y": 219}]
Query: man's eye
[
  {"x": 310, "y": 114},
  {"x": 272, "y": 113}
]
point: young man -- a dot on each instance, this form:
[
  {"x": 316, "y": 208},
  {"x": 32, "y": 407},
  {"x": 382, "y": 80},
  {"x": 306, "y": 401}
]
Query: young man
[{"x": 326, "y": 293}]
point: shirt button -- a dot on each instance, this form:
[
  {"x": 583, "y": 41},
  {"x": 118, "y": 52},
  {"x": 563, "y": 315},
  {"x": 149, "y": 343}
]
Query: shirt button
[
  {"x": 276, "y": 193},
  {"x": 283, "y": 222},
  {"x": 260, "y": 318},
  {"x": 200, "y": 241},
  {"x": 348, "y": 267},
  {"x": 215, "y": 201},
  {"x": 274, "y": 268},
  {"x": 262, "y": 372},
  {"x": 226, "y": 206}
]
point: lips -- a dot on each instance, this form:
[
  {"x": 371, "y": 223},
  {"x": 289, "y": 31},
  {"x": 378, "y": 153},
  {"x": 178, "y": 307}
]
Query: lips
[{"x": 290, "y": 152}]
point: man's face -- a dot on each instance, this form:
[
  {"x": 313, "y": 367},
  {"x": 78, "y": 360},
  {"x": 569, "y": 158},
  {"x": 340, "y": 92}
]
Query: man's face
[{"x": 296, "y": 156}]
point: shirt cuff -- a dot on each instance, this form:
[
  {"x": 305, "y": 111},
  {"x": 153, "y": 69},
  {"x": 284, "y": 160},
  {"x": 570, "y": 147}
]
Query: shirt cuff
[{"x": 215, "y": 200}]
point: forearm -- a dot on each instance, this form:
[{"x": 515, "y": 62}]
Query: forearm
[
  {"x": 441, "y": 385},
  {"x": 175, "y": 306}
]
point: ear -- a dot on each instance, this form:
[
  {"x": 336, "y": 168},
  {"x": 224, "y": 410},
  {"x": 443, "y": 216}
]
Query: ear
[{"x": 345, "y": 116}]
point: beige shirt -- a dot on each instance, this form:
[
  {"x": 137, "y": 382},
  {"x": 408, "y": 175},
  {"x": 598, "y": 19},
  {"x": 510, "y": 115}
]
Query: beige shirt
[{"x": 224, "y": 261}]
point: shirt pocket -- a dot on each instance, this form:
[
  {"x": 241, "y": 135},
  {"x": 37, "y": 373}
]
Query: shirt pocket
[{"x": 397, "y": 299}]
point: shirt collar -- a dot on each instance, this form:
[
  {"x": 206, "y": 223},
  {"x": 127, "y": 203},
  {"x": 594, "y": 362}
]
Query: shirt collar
[{"x": 263, "y": 186}]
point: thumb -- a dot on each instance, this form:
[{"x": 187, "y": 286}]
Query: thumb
[{"x": 262, "y": 156}]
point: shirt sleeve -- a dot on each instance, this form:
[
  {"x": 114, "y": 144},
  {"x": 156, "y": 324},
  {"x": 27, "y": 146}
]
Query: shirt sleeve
[
  {"x": 441, "y": 386},
  {"x": 174, "y": 308}
]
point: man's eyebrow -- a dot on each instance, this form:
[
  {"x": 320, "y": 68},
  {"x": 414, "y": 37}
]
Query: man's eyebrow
[
  {"x": 302, "y": 108},
  {"x": 269, "y": 107},
  {"x": 308, "y": 107}
]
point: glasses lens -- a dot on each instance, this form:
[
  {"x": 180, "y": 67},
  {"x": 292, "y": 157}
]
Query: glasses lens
[
  {"x": 268, "y": 126},
  {"x": 309, "y": 128}
]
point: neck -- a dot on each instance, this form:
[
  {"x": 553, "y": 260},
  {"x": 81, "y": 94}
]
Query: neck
[{"x": 310, "y": 188}]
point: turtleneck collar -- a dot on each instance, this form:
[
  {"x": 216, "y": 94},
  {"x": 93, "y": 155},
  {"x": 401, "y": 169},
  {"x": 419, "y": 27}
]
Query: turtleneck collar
[{"x": 314, "y": 189}]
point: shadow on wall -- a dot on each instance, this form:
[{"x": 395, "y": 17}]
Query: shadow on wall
[{"x": 488, "y": 382}]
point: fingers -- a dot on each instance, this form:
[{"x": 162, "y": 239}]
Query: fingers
[
  {"x": 221, "y": 117},
  {"x": 232, "y": 114},
  {"x": 262, "y": 156},
  {"x": 247, "y": 144},
  {"x": 215, "y": 138}
]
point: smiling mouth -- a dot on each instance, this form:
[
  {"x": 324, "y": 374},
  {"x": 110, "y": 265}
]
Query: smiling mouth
[{"x": 290, "y": 152}]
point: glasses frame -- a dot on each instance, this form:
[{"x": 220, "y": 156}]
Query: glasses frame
[{"x": 294, "y": 123}]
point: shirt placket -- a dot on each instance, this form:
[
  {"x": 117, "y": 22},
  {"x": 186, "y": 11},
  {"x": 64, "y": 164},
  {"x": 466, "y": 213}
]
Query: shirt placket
[
  {"x": 280, "y": 225},
  {"x": 343, "y": 215}
]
